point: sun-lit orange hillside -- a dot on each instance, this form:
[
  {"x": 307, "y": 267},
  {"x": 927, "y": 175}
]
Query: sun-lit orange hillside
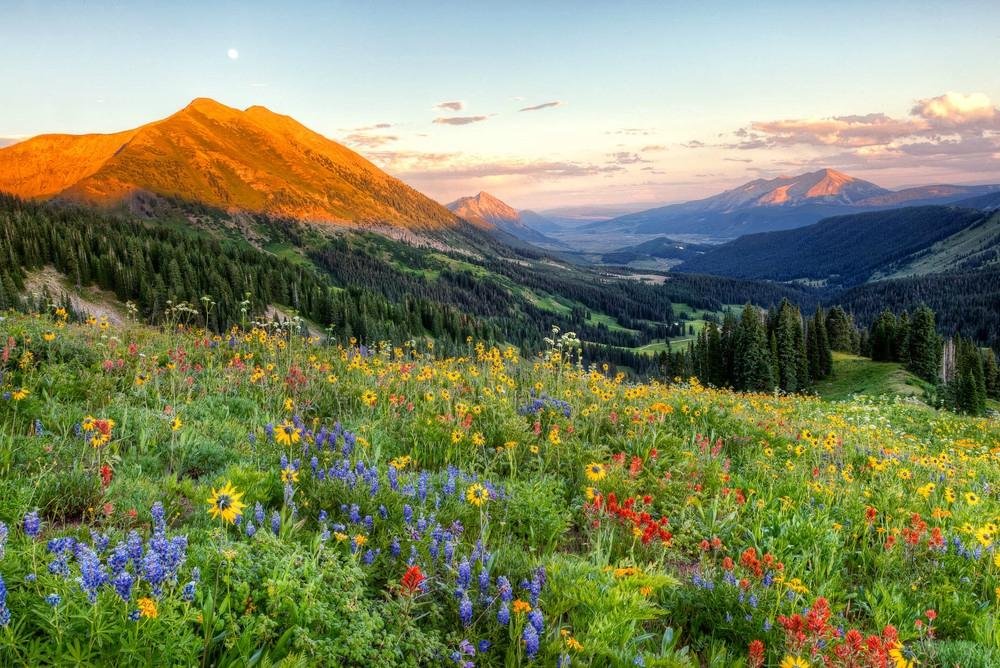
[{"x": 253, "y": 160}]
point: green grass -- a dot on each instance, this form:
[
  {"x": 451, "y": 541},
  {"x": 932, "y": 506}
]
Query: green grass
[
  {"x": 853, "y": 375},
  {"x": 607, "y": 320}
]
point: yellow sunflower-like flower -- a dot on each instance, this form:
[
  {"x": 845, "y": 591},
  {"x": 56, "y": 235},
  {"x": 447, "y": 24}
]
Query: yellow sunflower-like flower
[
  {"x": 368, "y": 398},
  {"x": 20, "y": 394},
  {"x": 289, "y": 474},
  {"x": 794, "y": 662},
  {"x": 899, "y": 658},
  {"x": 226, "y": 503},
  {"x": 595, "y": 472},
  {"x": 972, "y": 498},
  {"x": 176, "y": 424},
  {"x": 477, "y": 495},
  {"x": 286, "y": 434}
]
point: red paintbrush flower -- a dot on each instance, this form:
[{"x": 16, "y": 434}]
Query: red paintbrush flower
[{"x": 412, "y": 580}]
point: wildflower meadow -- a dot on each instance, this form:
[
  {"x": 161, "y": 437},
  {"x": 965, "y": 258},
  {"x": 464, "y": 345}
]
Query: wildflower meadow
[{"x": 176, "y": 497}]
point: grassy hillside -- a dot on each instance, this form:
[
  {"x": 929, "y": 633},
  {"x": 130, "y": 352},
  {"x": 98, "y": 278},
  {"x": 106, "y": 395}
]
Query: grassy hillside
[
  {"x": 174, "y": 497},
  {"x": 855, "y": 375},
  {"x": 974, "y": 247}
]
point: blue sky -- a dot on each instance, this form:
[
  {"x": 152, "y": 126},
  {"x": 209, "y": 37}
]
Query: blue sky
[{"x": 656, "y": 101}]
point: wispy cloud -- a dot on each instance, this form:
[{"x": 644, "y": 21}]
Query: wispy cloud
[
  {"x": 626, "y": 158},
  {"x": 652, "y": 147},
  {"x": 459, "y": 120},
  {"x": 369, "y": 141},
  {"x": 453, "y": 105},
  {"x": 634, "y": 132},
  {"x": 544, "y": 105},
  {"x": 7, "y": 141}
]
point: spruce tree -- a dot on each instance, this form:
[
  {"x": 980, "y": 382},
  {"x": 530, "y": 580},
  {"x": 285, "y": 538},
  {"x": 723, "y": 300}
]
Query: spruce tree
[
  {"x": 840, "y": 329},
  {"x": 991, "y": 374},
  {"x": 924, "y": 345},
  {"x": 751, "y": 357}
]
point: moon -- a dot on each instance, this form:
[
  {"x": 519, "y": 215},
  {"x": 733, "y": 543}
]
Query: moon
[{"x": 233, "y": 54}]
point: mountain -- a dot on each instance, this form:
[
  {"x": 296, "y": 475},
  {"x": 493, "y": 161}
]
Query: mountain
[
  {"x": 487, "y": 212},
  {"x": 988, "y": 202},
  {"x": 252, "y": 160},
  {"x": 937, "y": 194},
  {"x": 849, "y": 250},
  {"x": 766, "y": 205}
]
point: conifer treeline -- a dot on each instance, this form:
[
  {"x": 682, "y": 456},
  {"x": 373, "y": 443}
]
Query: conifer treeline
[
  {"x": 963, "y": 373},
  {"x": 757, "y": 352},
  {"x": 780, "y": 349}
]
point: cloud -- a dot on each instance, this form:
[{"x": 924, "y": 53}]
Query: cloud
[
  {"x": 626, "y": 158},
  {"x": 957, "y": 111},
  {"x": 937, "y": 119},
  {"x": 544, "y": 105},
  {"x": 694, "y": 143},
  {"x": 635, "y": 132},
  {"x": 369, "y": 141},
  {"x": 454, "y": 105},
  {"x": 652, "y": 147},
  {"x": 459, "y": 120},
  {"x": 538, "y": 169}
]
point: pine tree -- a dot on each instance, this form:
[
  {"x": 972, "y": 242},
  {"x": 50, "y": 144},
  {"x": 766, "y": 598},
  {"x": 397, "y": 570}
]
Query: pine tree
[
  {"x": 751, "y": 358},
  {"x": 882, "y": 337},
  {"x": 969, "y": 387},
  {"x": 840, "y": 329},
  {"x": 991, "y": 374},
  {"x": 924, "y": 345},
  {"x": 790, "y": 349}
]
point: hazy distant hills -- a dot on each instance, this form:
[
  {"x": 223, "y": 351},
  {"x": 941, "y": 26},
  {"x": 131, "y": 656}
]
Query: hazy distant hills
[
  {"x": 252, "y": 160},
  {"x": 849, "y": 250},
  {"x": 486, "y": 211},
  {"x": 783, "y": 203}
]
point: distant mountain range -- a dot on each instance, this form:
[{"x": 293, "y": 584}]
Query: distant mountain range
[
  {"x": 252, "y": 160},
  {"x": 487, "y": 212},
  {"x": 849, "y": 250},
  {"x": 783, "y": 203}
]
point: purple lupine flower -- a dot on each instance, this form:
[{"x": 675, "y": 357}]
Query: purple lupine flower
[
  {"x": 503, "y": 614},
  {"x": 465, "y": 611},
  {"x": 464, "y": 574},
  {"x": 484, "y": 581},
  {"x": 122, "y": 584},
  {"x": 530, "y": 637},
  {"x": 159, "y": 518},
  {"x": 506, "y": 591},
  {"x": 188, "y": 592},
  {"x": 32, "y": 524},
  {"x": 536, "y": 619}
]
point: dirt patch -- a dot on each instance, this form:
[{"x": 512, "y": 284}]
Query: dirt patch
[{"x": 90, "y": 300}]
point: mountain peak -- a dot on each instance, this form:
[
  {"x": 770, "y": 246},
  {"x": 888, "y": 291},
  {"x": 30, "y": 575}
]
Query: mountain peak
[
  {"x": 485, "y": 210},
  {"x": 255, "y": 161},
  {"x": 207, "y": 105}
]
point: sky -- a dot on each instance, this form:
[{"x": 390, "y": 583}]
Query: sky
[{"x": 544, "y": 104}]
